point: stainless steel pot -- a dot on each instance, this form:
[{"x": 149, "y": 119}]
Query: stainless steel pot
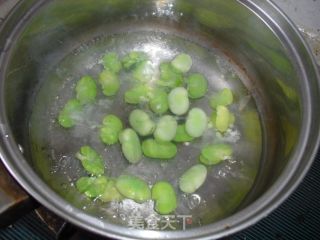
[{"x": 280, "y": 74}]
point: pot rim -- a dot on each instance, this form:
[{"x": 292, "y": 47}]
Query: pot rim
[{"x": 291, "y": 176}]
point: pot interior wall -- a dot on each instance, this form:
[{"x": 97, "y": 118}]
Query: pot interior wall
[{"x": 263, "y": 71}]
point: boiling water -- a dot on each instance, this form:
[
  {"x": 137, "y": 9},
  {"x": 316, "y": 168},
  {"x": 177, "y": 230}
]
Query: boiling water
[{"x": 54, "y": 148}]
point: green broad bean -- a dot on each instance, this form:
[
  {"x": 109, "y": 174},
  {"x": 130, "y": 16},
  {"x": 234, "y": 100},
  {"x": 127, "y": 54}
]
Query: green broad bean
[
  {"x": 109, "y": 82},
  {"x": 197, "y": 85},
  {"x": 141, "y": 122},
  {"x": 215, "y": 153},
  {"x": 164, "y": 196},
  {"x": 192, "y": 179},
  {"x": 130, "y": 144},
  {"x": 84, "y": 183},
  {"x": 223, "y": 118},
  {"x": 132, "y": 59},
  {"x": 166, "y": 129},
  {"x": 222, "y": 98},
  {"x": 111, "y": 193},
  {"x": 110, "y": 130},
  {"x": 182, "y": 135},
  {"x": 155, "y": 149},
  {"x": 68, "y": 114},
  {"x": 91, "y": 161},
  {"x": 158, "y": 102},
  {"x": 182, "y": 62},
  {"x": 143, "y": 72},
  {"x": 111, "y": 62},
  {"x": 169, "y": 77},
  {"x": 178, "y": 101},
  {"x": 92, "y": 187},
  {"x": 137, "y": 94},
  {"x": 133, "y": 188},
  {"x": 231, "y": 119},
  {"x": 196, "y": 122},
  {"x": 86, "y": 90}
]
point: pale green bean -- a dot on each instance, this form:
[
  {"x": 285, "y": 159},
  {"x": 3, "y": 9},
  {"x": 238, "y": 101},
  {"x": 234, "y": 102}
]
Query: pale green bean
[
  {"x": 111, "y": 62},
  {"x": 137, "y": 94},
  {"x": 133, "y": 188},
  {"x": 92, "y": 187},
  {"x": 161, "y": 150},
  {"x": 110, "y": 130},
  {"x": 141, "y": 122},
  {"x": 169, "y": 76},
  {"x": 91, "y": 161},
  {"x": 86, "y": 90},
  {"x": 166, "y": 128},
  {"x": 143, "y": 72},
  {"x": 164, "y": 196},
  {"x": 222, "y": 118},
  {"x": 110, "y": 192},
  {"x": 182, "y": 135},
  {"x": 197, "y": 85},
  {"x": 215, "y": 153},
  {"x": 193, "y": 178},
  {"x": 158, "y": 101},
  {"x": 130, "y": 145},
  {"x": 222, "y": 98},
  {"x": 109, "y": 82},
  {"x": 182, "y": 62},
  {"x": 68, "y": 115},
  {"x": 178, "y": 101},
  {"x": 196, "y": 122}
]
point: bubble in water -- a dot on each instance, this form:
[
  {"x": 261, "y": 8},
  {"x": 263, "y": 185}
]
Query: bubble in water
[
  {"x": 194, "y": 201},
  {"x": 20, "y": 148}
]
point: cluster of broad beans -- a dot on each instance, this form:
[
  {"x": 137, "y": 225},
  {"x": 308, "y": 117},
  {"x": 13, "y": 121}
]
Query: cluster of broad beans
[{"x": 166, "y": 120}]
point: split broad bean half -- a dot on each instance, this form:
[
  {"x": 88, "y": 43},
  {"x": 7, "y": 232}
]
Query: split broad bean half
[
  {"x": 110, "y": 130},
  {"x": 86, "y": 90},
  {"x": 91, "y": 161},
  {"x": 69, "y": 114}
]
